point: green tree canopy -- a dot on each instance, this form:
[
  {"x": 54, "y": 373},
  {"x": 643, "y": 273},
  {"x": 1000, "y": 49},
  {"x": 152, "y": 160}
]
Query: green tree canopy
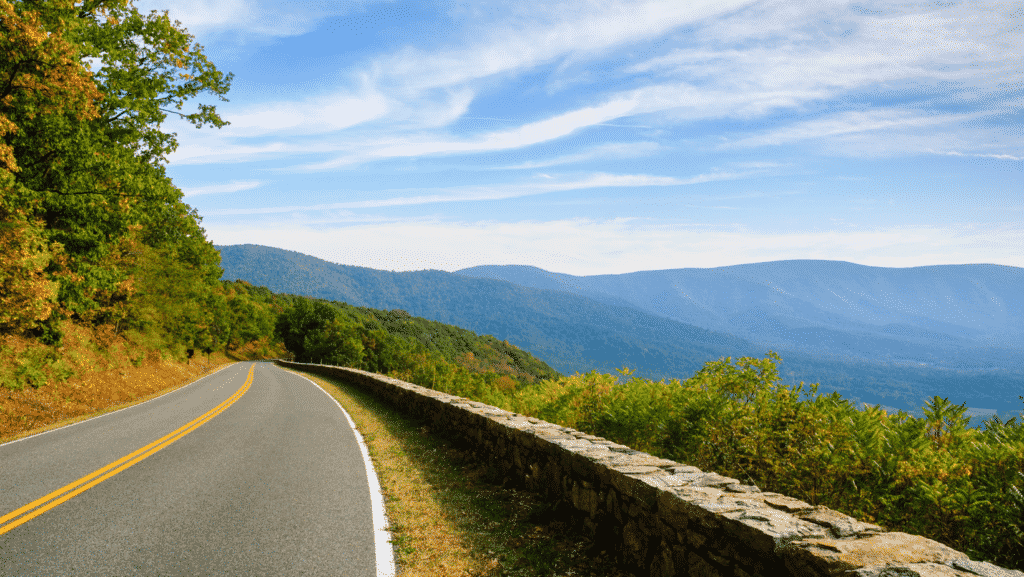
[{"x": 89, "y": 211}]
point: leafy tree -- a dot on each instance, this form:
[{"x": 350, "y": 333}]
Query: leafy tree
[
  {"x": 384, "y": 352},
  {"x": 82, "y": 160},
  {"x": 249, "y": 320},
  {"x": 27, "y": 295},
  {"x": 304, "y": 317},
  {"x": 336, "y": 343},
  {"x": 40, "y": 78}
]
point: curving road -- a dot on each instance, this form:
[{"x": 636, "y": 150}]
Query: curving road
[{"x": 251, "y": 470}]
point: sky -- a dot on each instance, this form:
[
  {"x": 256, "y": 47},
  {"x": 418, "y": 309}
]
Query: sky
[{"x": 605, "y": 137}]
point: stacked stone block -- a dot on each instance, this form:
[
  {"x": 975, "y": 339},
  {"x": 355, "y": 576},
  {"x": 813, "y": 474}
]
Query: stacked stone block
[{"x": 660, "y": 517}]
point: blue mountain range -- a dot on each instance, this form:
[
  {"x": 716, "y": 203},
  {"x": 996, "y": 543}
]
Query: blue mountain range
[
  {"x": 953, "y": 316},
  {"x": 888, "y": 336}
]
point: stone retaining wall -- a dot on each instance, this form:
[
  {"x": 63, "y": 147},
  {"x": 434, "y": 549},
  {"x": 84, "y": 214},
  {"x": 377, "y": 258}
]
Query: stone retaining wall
[{"x": 661, "y": 517}]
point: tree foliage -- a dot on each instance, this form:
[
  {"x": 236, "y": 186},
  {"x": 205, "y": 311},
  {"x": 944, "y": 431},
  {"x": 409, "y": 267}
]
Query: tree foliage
[
  {"x": 94, "y": 229},
  {"x": 27, "y": 294}
]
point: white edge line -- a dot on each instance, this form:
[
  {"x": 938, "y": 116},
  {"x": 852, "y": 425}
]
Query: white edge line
[
  {"x": 381, "y": 535},
  {"x": 122, "y": 409}
]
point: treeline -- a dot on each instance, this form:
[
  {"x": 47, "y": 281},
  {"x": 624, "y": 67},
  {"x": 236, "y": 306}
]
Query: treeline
[{"x": 396, "y": 343}]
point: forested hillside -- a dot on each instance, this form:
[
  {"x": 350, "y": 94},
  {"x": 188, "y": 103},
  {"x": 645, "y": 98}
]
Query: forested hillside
[
  {"x": 856, "y": 310},
  {"x": 381, "y": 341}
]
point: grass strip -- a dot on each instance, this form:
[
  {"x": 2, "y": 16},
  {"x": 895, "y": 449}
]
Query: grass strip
[{"x": 447, "y": 517}]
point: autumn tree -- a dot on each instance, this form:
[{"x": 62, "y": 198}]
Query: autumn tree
[
  {"x": 40, "y": 77},
  {"x": 92, "y": 219}
]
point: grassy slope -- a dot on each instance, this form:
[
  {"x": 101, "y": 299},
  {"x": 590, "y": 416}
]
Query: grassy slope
[{"x": 90, "y": 374}]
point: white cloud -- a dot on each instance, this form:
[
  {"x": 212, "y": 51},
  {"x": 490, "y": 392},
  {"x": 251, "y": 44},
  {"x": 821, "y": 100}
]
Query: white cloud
[
  {"x": 233, "y": 186},
  {"x": 612, "y": 150},
  {"x": 996, "y": 156},
  {"x": 539, "y": 33},
  {"x": 526, "y": 135},
  {"x": 198, "y": 150},
  {"x": 592, "y": 246},
  {"x": 249, "y": 17},
  {"x": 918, "y": 140},
  {"x": 201, "y": 15},
  {"x": 326, "y": 113},
  {"x": 495, "y": 192},
  {"x": 804, "y": 54},
  {"x": 848, "y": 123}
]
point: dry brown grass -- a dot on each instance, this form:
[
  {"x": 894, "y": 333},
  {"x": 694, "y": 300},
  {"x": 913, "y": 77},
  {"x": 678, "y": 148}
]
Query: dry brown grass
[
  {"x": 109, "y": 373},
  {"x": 447, "y": 517}
]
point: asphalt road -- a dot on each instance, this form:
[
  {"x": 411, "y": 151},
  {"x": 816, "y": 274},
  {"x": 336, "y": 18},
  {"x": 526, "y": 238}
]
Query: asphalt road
[{"x": 273, "y": 484}]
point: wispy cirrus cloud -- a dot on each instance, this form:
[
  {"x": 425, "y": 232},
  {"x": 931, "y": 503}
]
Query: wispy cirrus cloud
[
  {"x": 496, "y": 192},
  {"x": 206, "y": 149},
  {"x": 615, "y": 150},
  {"x": 525, "y": 135},
  {"x": 248, "y": 17},
  {"x": 523, "y": 36},
  {"x": 233, "y": 186},
  {"x": 977, "y": 155},
  {"x": 328, "y": 113},
  {"x": 848, "y": 123}
]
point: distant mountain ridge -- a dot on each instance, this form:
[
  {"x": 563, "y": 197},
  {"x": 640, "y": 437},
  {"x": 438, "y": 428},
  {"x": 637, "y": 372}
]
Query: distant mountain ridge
[
  {"x": 566, "y": 331},
  {"x": 605, "y": 329},
  {"x": 949, "y": 315}
]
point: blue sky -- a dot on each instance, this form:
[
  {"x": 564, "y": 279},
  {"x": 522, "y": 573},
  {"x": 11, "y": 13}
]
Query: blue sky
[{"x": 596, "y": 137}]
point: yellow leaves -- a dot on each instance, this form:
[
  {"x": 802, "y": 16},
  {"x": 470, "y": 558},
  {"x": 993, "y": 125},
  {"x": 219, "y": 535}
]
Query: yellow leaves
[
  {"x": 27, "y": 295},
  {"x": 7, "y": 160},
  {"x": 41, "y": 69},
  {"x": 505, "y": 384}
]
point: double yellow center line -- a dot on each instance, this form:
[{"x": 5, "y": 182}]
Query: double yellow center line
[{"x": 44, "y": 504}]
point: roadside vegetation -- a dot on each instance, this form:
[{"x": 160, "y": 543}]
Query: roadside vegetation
[
  {"x": 112, "y": 383},
  {"x": 97, "y": 246},
  {"x": 930, "y": 476},
  {"x": 109, "y": 289}
]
